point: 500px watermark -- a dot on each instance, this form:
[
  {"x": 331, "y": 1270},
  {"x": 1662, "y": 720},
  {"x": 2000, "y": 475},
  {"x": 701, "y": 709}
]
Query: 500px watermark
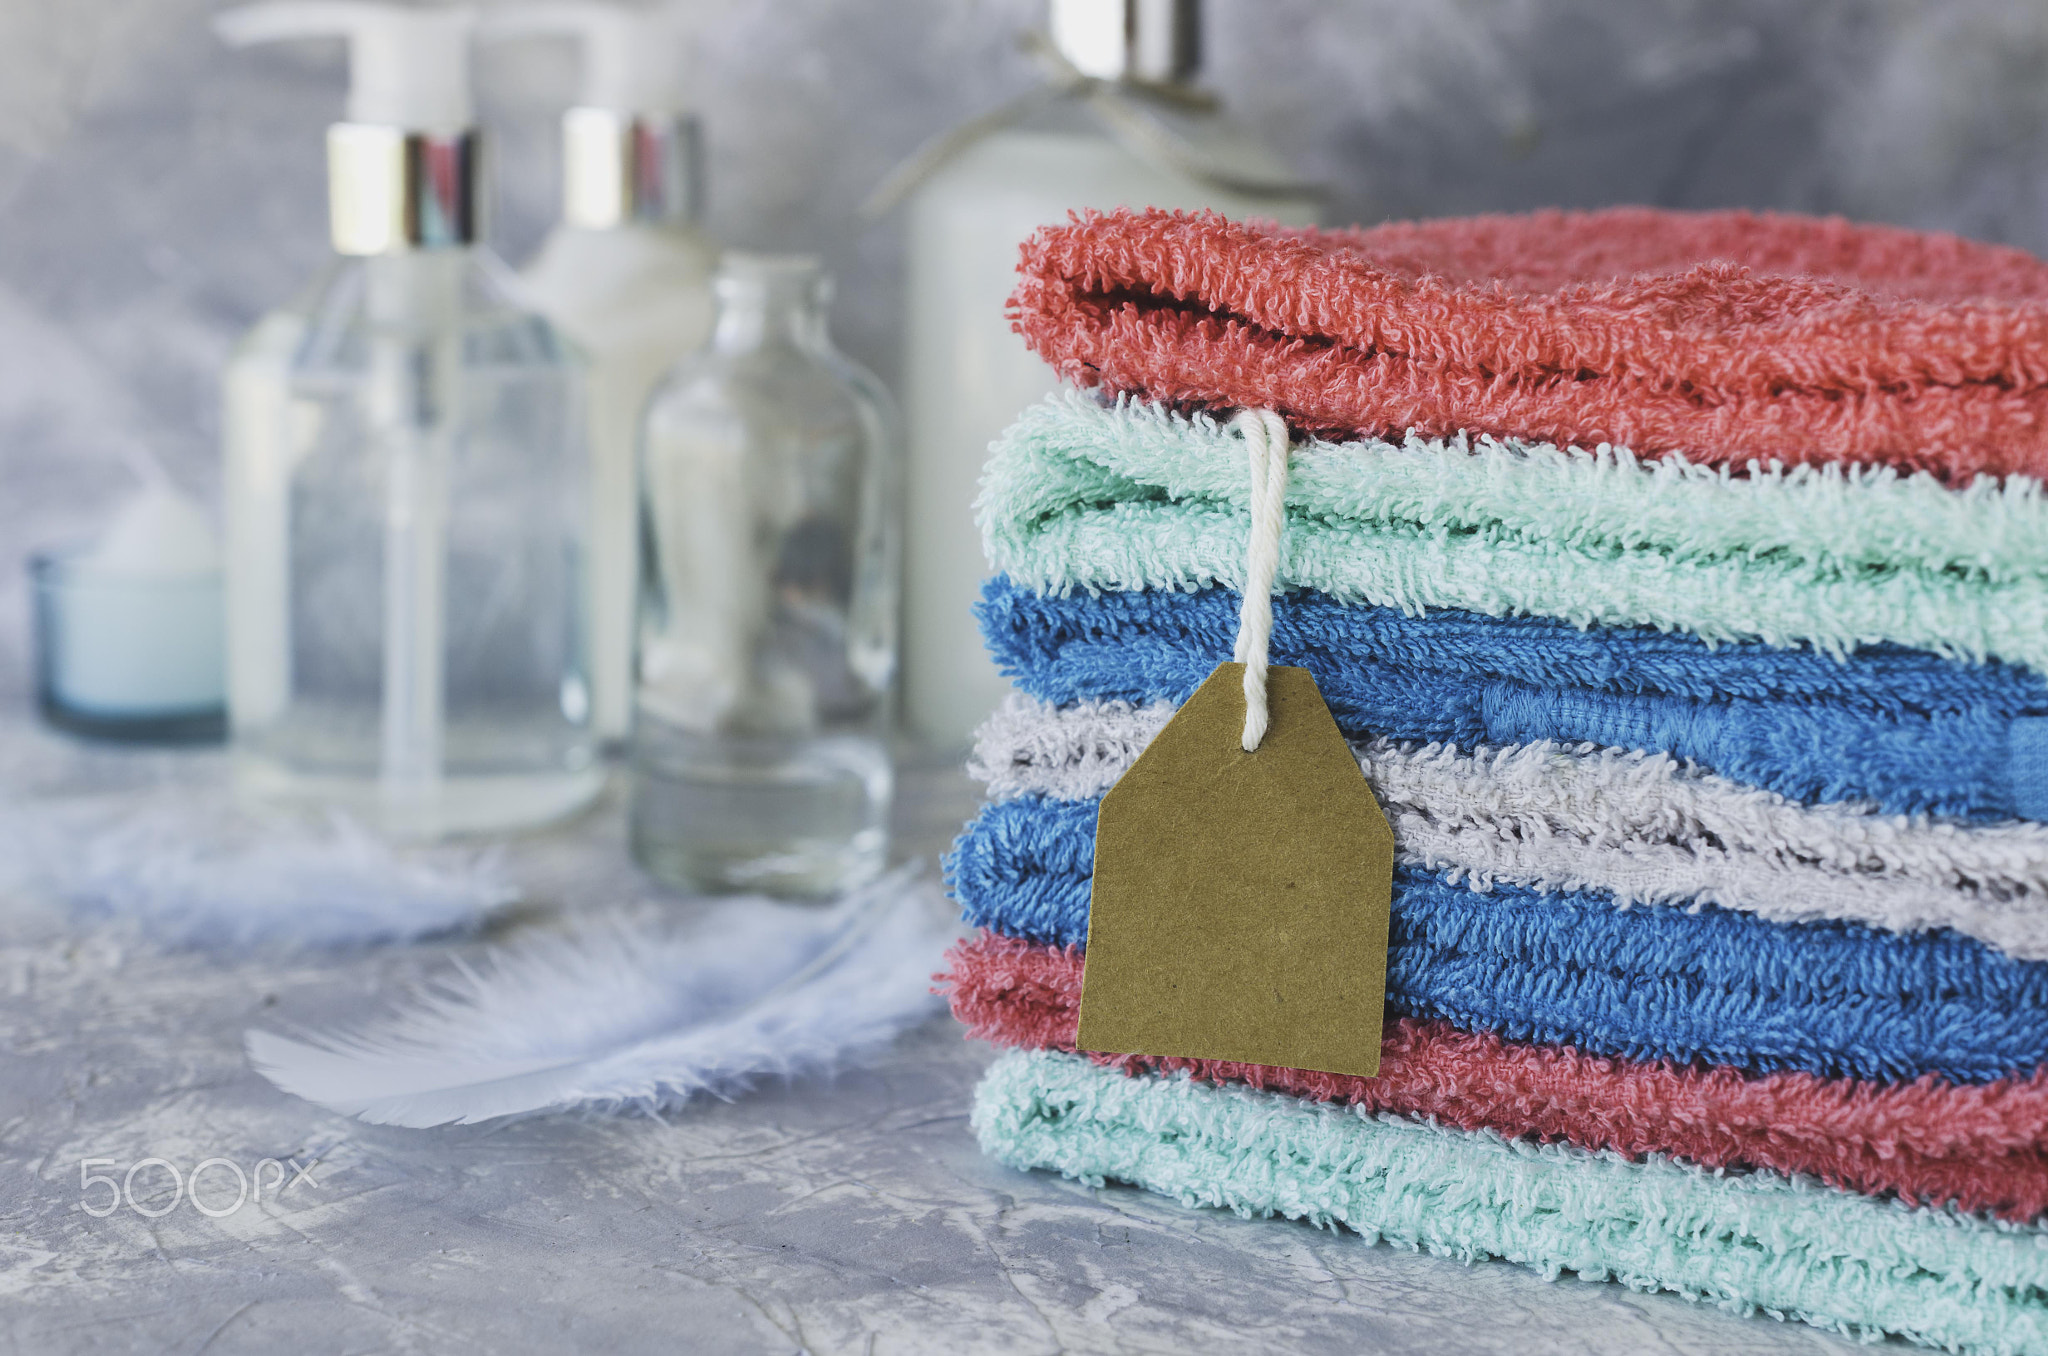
[{"x": 222, "y": 1175}]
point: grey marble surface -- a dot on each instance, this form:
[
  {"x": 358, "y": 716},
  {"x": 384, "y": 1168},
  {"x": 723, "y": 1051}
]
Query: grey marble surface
[{"x": 852, "y": 1216}]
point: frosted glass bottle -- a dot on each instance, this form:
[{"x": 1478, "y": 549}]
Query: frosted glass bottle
[
  {"x": 769, "y": 558},
  {"x": 626, "y": 274},
  {"x": 405, "y": 554},
  {"x": 966, "y": 374}
]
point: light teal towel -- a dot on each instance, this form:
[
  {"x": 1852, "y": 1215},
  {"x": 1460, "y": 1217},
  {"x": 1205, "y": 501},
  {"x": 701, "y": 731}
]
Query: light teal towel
[
  {"x": 1130, "y": 496},
  {"x": 1788, "y": 1247}
]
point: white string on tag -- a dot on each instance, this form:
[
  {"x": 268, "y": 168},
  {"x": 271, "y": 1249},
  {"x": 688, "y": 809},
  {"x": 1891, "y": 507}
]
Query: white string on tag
[{"x": 1265, "y": 439}]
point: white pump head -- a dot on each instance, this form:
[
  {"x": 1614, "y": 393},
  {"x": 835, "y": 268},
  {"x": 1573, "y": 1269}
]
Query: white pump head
[
  {"x": 634, "y": 60},
  {"x": 408, "y": 67}
]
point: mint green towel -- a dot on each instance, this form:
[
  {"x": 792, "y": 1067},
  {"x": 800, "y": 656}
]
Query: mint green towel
[
  {"x": 1130, "y": 496},
  {"x": 1788, "y": 1247}
]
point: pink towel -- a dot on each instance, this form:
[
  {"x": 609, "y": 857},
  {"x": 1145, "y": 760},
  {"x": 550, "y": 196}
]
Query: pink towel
[
  {"x": 1726, "y": 336},
  {"x": 1929, "y": 1141}
]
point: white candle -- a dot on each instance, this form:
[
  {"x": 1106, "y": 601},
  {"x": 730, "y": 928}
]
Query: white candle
[{"x": 132, "y": 626}]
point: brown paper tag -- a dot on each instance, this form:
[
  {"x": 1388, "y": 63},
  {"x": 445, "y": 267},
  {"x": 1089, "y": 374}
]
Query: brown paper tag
[{"x": 1239, "y": 909}]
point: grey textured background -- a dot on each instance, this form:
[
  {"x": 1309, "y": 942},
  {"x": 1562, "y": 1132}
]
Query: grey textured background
[{"x": 157, "y": 192}]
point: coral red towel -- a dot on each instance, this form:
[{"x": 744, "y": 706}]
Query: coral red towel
[
  {"x": 1725, "y": 336},
  {"x": 1929, "y": 1141}
]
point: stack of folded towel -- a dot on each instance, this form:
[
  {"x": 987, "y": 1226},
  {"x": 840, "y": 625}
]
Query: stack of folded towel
[{"x": 1681, "y": 582}]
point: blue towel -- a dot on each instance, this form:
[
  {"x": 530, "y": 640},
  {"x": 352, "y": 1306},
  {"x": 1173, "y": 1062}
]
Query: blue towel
[
  {"x": 1835, "y": 999},
  {"x": 1911, "y": 731}
]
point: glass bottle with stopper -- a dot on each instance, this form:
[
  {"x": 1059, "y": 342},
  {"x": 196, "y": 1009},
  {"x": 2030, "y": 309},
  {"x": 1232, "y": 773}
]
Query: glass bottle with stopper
[
  {"x": 406, "y": 479},
  {"x": 626, "y": 274},
  {"x": 1119, "y": 122},
  {"x": 768, "y": 601}
]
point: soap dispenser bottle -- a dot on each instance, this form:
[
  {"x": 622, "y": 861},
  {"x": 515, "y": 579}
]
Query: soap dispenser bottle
[
  {"x": 1118, "y": 123},
  {"x": 405, "y": 509},
  {"x": 626, "y": 275}
]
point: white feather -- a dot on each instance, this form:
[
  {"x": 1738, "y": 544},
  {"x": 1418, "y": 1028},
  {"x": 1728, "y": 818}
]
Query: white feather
[
  {"x": 190, "y": 869},
  {"x": 621, "y": 1013}
]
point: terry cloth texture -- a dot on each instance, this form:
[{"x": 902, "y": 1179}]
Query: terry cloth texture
[
  {"x": 1750, "y": 1242},
  {"x": 1134, "y": 496},
  {"x": 1837, "y": 1000},
  {"x": 1723, "y": 335},
  {"x": 1642, "y": 827},
  {"x": 1932, "y": 1142},
  {"x": 1904, "y": 729}
]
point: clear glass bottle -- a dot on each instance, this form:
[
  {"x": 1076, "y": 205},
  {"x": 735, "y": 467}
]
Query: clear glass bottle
[
  {"x": 406, "y": 481},
  {"x": 767, "y": 652},
  {"x": 419, "y": 505}
]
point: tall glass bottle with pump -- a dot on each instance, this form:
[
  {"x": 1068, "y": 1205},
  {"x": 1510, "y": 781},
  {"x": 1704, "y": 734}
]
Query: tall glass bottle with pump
[
  {"x": 1119, "y": 123},
  {"x": 626, "y": 274},
  {"x": 405, "y": 510},
  {"x": 768, "y": 601}
]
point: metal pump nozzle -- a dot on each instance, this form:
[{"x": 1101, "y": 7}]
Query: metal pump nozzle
[{"x": 1151, "y": 42}]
